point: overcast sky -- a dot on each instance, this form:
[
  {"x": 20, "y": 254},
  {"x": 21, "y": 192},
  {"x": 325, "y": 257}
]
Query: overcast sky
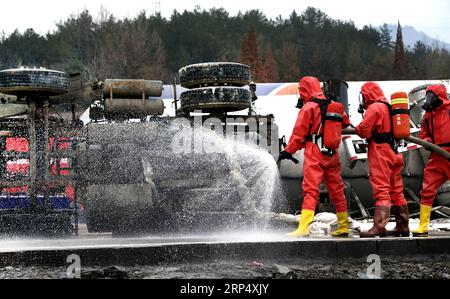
[{"x": 430, "y": 16}]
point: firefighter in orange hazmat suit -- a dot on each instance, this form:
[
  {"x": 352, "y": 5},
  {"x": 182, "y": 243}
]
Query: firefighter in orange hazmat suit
[
  {"x": 436, "y": 129},
  {"x": 318, "y": 165},
  {"x": 385, "y": 163}
]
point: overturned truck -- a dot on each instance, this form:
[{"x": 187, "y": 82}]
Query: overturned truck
[{"x": 125, "y": 164}]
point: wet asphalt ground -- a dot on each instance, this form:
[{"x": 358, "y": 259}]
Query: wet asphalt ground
[
  {"x": 416, "y": 266},
  {"x": 423, "y": 267}
]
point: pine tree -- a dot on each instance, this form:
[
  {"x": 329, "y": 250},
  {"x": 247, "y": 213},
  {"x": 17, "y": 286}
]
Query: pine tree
[
  {"x": 400, "y": 68},
  {"x": 385, "y": 35},
  {"x": 270, "y": 66},
  {"x": 289, "y": 62},
  {"x": 250, "y": 54}
]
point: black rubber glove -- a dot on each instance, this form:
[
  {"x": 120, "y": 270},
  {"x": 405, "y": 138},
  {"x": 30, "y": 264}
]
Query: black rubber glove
[{"x": 284, "y": 155}]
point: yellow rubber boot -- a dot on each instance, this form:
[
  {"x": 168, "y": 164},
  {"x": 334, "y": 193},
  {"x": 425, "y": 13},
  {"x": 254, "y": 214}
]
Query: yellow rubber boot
[
  {"x": 343, "y": 225},
  {"x": 303, "y": 227},
  {"x": 425, "y": 214}
]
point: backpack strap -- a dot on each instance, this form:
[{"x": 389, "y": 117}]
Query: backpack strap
[
  {"x": 387, "y": 137},
  {"x": 323, "y": 105}
]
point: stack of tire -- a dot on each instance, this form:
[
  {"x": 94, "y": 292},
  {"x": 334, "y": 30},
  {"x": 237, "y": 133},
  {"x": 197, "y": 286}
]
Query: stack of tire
[
  {"x": 215, "y": 87},
  {"x": 37, "y": 82}
]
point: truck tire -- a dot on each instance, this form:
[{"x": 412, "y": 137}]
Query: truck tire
[
  {"x": 219, "y": 73},
  {"x": 216, "y": 99},
  {"x": 36, "y": 81}
]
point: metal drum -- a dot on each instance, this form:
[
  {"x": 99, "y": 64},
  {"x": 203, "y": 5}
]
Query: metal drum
[
  {"x": 132, "y": 89},
  {"x": 134, "y": 106}
]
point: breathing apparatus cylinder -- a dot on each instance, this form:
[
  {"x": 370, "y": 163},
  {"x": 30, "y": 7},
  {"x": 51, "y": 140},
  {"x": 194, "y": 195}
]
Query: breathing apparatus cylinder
[
  {"x": 400, "y": 115},
  {"x": 332, "y": 131}
]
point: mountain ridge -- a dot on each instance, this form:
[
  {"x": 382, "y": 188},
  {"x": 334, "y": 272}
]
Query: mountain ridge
[{"x": 412, "y": 35}]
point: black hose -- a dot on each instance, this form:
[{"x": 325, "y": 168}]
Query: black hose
[{"x": 427, "y": 145}]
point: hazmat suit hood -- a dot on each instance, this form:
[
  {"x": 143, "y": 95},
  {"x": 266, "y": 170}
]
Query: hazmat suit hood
[
  {"x": 372, "y": 93},
  {"x": 436, "y": 97},
  {"x": 309, "y": 88},
  {"x": 440, "y": 91}
]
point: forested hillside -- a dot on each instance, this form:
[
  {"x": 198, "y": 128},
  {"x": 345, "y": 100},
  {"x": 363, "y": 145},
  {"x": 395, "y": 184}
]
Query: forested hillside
[{"x": 153, "y": 47}]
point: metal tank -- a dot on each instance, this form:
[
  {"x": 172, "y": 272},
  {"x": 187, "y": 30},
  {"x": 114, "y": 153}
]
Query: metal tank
[
  {"x": 134, "y": 106},
  {"x": 131, "y": 89},
  {"x": 132, "y": 98}
]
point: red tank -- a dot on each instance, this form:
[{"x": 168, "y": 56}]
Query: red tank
[
  {"x": 400, "y": 115},
  {"x": 332, "y": 132}
]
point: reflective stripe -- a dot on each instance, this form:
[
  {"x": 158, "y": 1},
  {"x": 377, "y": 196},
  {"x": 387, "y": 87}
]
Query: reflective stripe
[{"x": 400, "y": 101}]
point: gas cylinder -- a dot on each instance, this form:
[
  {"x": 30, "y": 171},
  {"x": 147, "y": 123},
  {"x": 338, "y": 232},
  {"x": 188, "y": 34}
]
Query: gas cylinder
[
  {"x": 400, "y": 115},
  {"x": 332, "y": 133}
]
